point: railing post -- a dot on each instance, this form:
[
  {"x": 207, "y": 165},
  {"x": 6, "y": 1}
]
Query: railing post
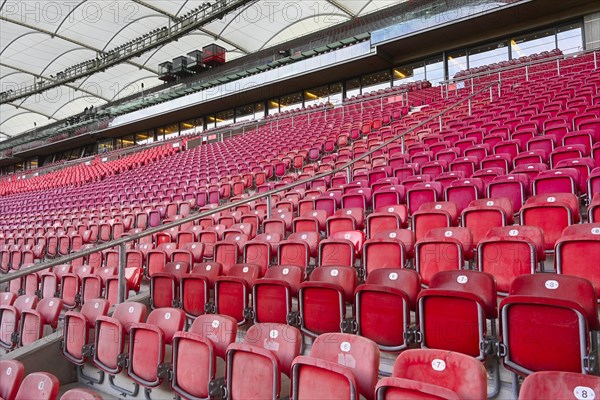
[
  {"x": 472, "y": 86},
  {"x": 122, "y": 281},
  {"x": 348, "y": 174},
  {"x": 470, "y": 108},
  {"x": 442, "y": 91},
  {"x": 441, "y": 122},
  {"x": 527, "y": 73},
  {"x": 403, "y": 144},
  {"x": 382, "y": 104},
  {"x": 499, "y": 89},
  {"x": 558, "y": 67},
  {"x": 269, "y": 202},
  {"x": 491, "y": 94},
  {"x": 595, "y": 60}
]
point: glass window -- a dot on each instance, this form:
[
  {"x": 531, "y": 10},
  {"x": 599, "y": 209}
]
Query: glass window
[
  {"x": 211, "y": 121},
  {"x": 291, "y": 101},
  {"x": 376, "y": 81},
  {"x": 434, "y": 70},
  {"x": 32, "y": 163},
  {"x": 105, "y": 145},
  {"x": 570, "y": 38},
  {"x": 168, "y": 131},
  {"x": 335, "y": 93},
  {"x": 316, "y": 95},
  {"x": 533, "y": 43},
  {"x": 352, "y": 87},
  {"x": 259, "y": 110},
  {"x": 488, "y": 54},
  {"x": 408, "y": 73},
  {"x": 225, "y": 117},
  {"x": 192, "y": 126},
  {"x": 244, "y": 113},
  {"x": 144, "y": 137},
  {"x": 273, "y": 106},
  {"x": 457, "y": 61},
  {"x": 125, "y": 142}
]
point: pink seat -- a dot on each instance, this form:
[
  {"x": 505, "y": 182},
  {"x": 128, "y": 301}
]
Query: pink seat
[
  {"x": 332, "y": 370},
  {"x": 11, "y": 375},
  {"x": 433, "y": 374}
]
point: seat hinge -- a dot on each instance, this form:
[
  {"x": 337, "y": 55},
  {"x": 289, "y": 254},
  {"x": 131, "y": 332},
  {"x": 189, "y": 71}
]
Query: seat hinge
[
  {"x": 165, "y": 371},
  {"x": 590, "y": 363},
  {"x": 500, "y": 349},
  {"x": 87, "y": 350},
  {"x": 349, "y": 325},
  {"x": 210, "y": 308},
  {"x": 412, "y": 335},
  {"x": 294, "y": 319},
  {"x": 217, "y": 389},
  {"x": 249, "y": 314},
  {"x": 123, "y": 360}
]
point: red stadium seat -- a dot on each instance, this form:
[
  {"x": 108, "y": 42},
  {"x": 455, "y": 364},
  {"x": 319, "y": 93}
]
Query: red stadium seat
[
  {"x": 515, "y": 187},
  {"x": 574, "y": 251},
  {"x": 463, "y": 191},
  {"x": 387, "y": 218},
  {"x": 232, "y": 291},
  {"x": 442, "y": 249},
  {"x": 147, "y": 344},
  {"x": 564, "y": 180},
  {"x": 31, "y": 326},
  {"x": 434, "y": 374},
  {"x": 421, "y": 193},
  {"x": 254, "y": 367},
  {"x": 485, "y": 214},
  {"x": 164, "y": 286},
  {"x": 194, "y": 288},
  {"x": 38, "y": 386},
  {"x": 552, "y": 213},
  {"x": 559, "y": 385},
  {"x": 340, "y": 366},
  {"x": 322, "y": 299},
  {"x": 594, "y": 209},
  {"x": 383, "y": 305},
  {"x": 77, "y": 326},
  {"x": 111, "y": 335},
  {"x": 272, "y": 295},
  {"x": 546, "y": 322},
  {"x": 80, "y": 394},
  {"x": 510, "y": 251},
  {"x": 461, "y": 302},
  {"x": 434, "y": 215},
  {"x": 10, "y": 317},
  {"x": 195, "y": 354},
  {"x": 11, "y": 375}
]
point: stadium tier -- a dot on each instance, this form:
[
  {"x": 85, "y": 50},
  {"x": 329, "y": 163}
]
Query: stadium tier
[{"x": 430, "y": 240}]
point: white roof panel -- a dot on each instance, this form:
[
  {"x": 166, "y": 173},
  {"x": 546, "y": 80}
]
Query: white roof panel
[{"x": 40, "y": 38}]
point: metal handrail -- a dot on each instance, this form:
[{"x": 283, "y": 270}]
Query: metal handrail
[
  {"x": 191, "y": 218},
  {"x": 509, "y": 68}
]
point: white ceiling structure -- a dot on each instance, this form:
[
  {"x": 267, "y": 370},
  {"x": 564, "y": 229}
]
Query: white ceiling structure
[{"x": 41, "y": 38}]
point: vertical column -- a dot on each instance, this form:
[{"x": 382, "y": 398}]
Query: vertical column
[
  {"x": 121, "y": 277},
  {"x": 591, "y": 31}
]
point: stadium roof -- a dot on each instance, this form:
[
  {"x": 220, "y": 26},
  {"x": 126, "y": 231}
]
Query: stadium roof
[{"x": 38, "y": 39}]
